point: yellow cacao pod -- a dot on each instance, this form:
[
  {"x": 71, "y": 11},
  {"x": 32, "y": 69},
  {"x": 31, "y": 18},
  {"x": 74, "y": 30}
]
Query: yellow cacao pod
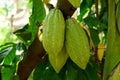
[
  {"x": 77, "y": 44},
  {"x": 58, "y": 60},
  {"x": 75, "y": 3},
  {"x": 53, "y": 32}
]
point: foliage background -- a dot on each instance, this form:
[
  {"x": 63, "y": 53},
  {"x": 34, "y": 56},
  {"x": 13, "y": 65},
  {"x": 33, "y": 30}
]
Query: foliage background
[{"x": 18, "y": 41}]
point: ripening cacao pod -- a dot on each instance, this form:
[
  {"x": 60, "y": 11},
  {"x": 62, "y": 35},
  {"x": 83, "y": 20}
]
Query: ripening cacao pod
[
  {"x": 58, "y": 60},
  {"x": 77, "y": 45},
  {"x": 53, "y": 32},
  {"x": 75, "y": 3}
]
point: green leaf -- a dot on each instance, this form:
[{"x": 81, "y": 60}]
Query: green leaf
[
  {"x": 94, "y": 36},
  {"x": 103, "y": 7},
  {"x": 25, "y": 28},
  {"x": 23, "y": 34},
  {"x": 38, "y": 14},
  {"x": 96, "y": 66},
  {"x": 6, "y": 45},
  {"x": 21, "y": 46},
  {"x": 48, "y": 72},
  {"x": 113, "y": 43},
  {"x": 39, "y": 69},
  {"x": 10, "y": 56},
  {"x": 116, "y": 1},
  {"x": 83, "y": 10},
  {"x": 90, "y": 3},
  {"x": 44, "y": 70},
  {"x": 116, "y": 73},
  {"x": 112, "y": 54},
  {"x": 4, "y": 52},
  {"x": 71, "y": 72},
  {"x": 16, "y": 77},
  {"x": 118, "y": 16},
  {"x": 93, "y": 23},
  {"x": 21, "y": 50},
  {"x": 7, "y": 73},
  {"x": 91, "y": 73}
]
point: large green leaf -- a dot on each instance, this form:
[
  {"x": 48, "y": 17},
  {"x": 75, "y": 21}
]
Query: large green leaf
[
  {"x": 37, "y": 75},
  {"x": 103, "y": 14},
  {"x": 49, "y": 70},
  {"x": 21, "y": 50},
  {"x": 7, "y": 73},
  {"x": 83, "y": 10},
  {"x": 90, "y": 2},
  {"x": 4, "y": 52},
  {"x": 113, "y": 41},
  {"x": 23, "y": 34},
  {"x": 91, "y": 73},
  {"x": 94, "y": 35},
  {"x": 38, "y": 14},
  {"x": 118, "y": 16},
  {"x": 116, "y": 73},
  {"x": 73, "y": 72},
  {"x": 10, "y": 56},
  {"x": 93, "y": 23},
  {"x": 16, "y": 77},
  {"x": 39, "y": 69},
  {"x": 5, "y": 49}
]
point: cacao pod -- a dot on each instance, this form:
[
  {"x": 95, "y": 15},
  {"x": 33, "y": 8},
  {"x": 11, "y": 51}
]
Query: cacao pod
[
  {"x": 75, "y": 3},
  {"x": 77, "y": 45},
  {"x": 58, "y": 60},
  {"x": 53, "y": 31}
]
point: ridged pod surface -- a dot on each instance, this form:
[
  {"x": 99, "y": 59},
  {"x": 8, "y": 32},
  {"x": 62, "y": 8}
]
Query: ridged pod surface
[
  {"x": 77, "y": 44},
  {"x": 59, "y": 60},
  {"x": 53, "y": 32},
  {"x": 75, "y": 3}
]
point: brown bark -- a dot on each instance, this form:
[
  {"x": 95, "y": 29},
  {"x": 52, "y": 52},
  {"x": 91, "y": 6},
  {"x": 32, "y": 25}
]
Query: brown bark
[
  {"x": 66, "y": 8},
  {"x": 33, "y": 56},
  {"x": 36, "y": 50}
]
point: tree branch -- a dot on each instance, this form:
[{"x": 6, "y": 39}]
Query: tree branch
[
  {"x": 66, "y": 8},
  {"x": 33, "y": 56}
]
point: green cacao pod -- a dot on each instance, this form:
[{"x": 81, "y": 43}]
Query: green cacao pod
[
  {"x": 58, "y": 60},
  {"x": 77, "y": 44},
  {"x": 53, "y": 32},
  {"x": 75, "y": 3}
]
